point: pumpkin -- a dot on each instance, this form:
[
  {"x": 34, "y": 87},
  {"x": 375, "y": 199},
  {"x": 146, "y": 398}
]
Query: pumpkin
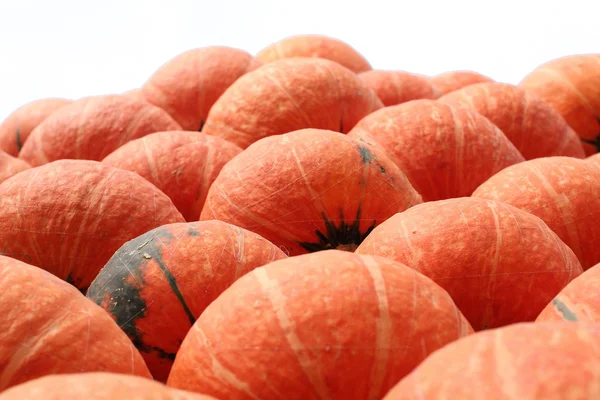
[
  {"x": 10, "y": 166},
  {"x": 535, "y": 128},
  {"x": 571, "y": 85},
  {"x": 156, "y": 285},
  {"x": 526, "y": 361},
  {"x": 328, "y": 325},
  {"x": 15, "y": 129},
  {"x": 70, "y": 216},
  {"x": 450, "y": 81},
  {"x": 48, "y": 327},
  {"x": 289, "y": 95},
  {"x": 500, "y": 264},
  {"x": 444, "y": 152},
  {"x": 188, "y": 85},
  {"x": 396, "y": 87},
  {"x": 309, "y": 190},
  {"x": 319, "y": 46},
  {"x": 563, "y": 191},
  {"x": 96, "y": 386},
  {"x": 93, "y": 127},
  {"x": 181, "y": 164}
]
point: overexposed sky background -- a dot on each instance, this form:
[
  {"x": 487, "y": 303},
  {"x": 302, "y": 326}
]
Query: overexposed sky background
[{"x": 69, "y": 48}]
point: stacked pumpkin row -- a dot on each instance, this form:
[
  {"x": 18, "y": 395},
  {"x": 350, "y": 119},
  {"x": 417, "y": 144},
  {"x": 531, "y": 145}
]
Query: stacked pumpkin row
[{"x": 433, "y": 208}]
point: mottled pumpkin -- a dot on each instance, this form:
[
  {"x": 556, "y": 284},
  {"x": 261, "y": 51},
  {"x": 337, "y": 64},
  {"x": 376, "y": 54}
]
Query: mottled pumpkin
[
  {"x": 10, "y": 166},
  {"x": 450, "y": 81}
]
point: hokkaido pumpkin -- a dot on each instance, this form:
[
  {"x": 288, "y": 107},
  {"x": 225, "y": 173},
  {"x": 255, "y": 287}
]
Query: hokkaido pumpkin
[
  {"x": 563, "y": 191},
  {"x": 10, "y": 166},
  {"x": 571, "y": 85},
  {"x": 96, "y": 386},
  {"x": 535, "y": 128},
  {"x": 329, "y": 325},
  {"x": 450, "y": 81},
  {"x": 188, "y": 85},
  {"x": 396, "y": 87},
  {"x": 48, "y": 327},
  {"x": 70, "y": 216},
  {"x": 15, "y": 129},
  {"x": 319, "y": 46},
  {"x": 181, "y": 164},
  {"x": 158, "y": 284},
  {"x": 309, "y": 190},
  {"x": 527, "y": 361},
  {"x": 444, "y": 152},
  {"x": 501, "y": 265},
  {"x": 93, "y": 127},
  {"x": 289, "y": 95}
]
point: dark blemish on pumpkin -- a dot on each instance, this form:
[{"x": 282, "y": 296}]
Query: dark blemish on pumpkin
[
  {"x": 564, "y": 310},
  {"x": 366, "y": 154},
  {"x": 19, "y": 142},
  {"x": 192, "y": 231},
  {"x": 382, "y": 169},
  {"x": 201, "y": 125}
]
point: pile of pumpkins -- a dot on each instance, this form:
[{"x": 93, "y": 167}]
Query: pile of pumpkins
[{"x": 299, "y": 225}]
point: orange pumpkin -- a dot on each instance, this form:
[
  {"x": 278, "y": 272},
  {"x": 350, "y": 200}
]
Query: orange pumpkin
[
  {"x": 188, "y": 85},
  {"x": 15, "y": 129},
  {"x": 158, "y": 284},
  {"x": 329, "y": 325},
  {"x": 444, "y": 152},
  {"x": 450, "y": 81},
  {"x": 396, "y": 87},
  {"x": 563, "y": 191},
  {"x": 10, "y": 166},
  {"x": 48, "y": 327},
  {"x": 534, "y": 127},
  {"x": 550, "y": 361},
  {"x": 501, "y": 265},
  {"x": 93, "y": 127},
  {"x": 96, "y": 386},
  {"x": 571, "y": 85},
  {"x": 181, "y": 164},
  {"x": 309, "y": 190},
  {"x": 319, "y": 46},
  {"x": 289, "y": 95},
  {"x": 70, "y": 216}
]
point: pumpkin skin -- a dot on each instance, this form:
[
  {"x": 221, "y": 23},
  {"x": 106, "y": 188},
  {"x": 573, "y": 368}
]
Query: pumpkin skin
[
  {"x": 96, "y": 386},
  {"x": 48, "y": 327},
  {"x": 450, "y": 81},
  {"x": 188, "y": 85},
  {"x": 527, "y": 361},
  {"x": 93, "y": 127},
  {"x": 396, "y": 87},
  {"x": 437, "y": 146},
  {"x": 319, "y": 46},
  {"x": 328, "y": 325},
  {"x": 70, "y": 216},
  {"x": 535, "y": 128},
  {"x": 158, "y": 284},
  {"x": 10, "y": 166},
  {"x": 571, "y": 85},
  {"x": 501, "y": 265},
  {"x": 15, "y": 129},
  {"x": 281, "y": 188},
  {"x": 181, "y": 164},
  {"x": 563, "y": 191},
  {"x": 289, "y": 95}
]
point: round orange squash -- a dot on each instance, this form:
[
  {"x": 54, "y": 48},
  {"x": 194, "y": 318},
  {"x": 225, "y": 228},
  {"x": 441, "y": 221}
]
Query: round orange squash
[
  {"x": 181, "y": 164},
  {"x": 70, "y": 216},
  {"x": 527, "y": 361},
  {"x": 535, "y": 128},
  {"x": 10, "y": 166},
  {"x": 309, "y": 190},
  {"x": 329, "y": 325},
  {"x": 289, "y": 95},
  {"x": 501, "y": 265},
  {"x": 93, "y": 127},
  {"x": 450, "y": 81},
  {"x": 319, "y": 46},
  {"x": 396, "y": 87},
  {"x": 96, "y": 386},
  {"x": 444, "y": 152},
  {"x": 571, "y": 85},
  {"x": 15, "y": 129},
  {"x": 48, "y": 327},
  {"x": 188, "y": 85},
  {"x": 158, "y": 284},
  {"x": 563, "y": 191}
]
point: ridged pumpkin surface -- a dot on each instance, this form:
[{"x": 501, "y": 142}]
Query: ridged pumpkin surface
[
  {"x": 10, "y": 166},
  {"x": 329, "y": 325},
  {"x": 450, "y": 81},
  {"x": 396, "y": 87}
]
